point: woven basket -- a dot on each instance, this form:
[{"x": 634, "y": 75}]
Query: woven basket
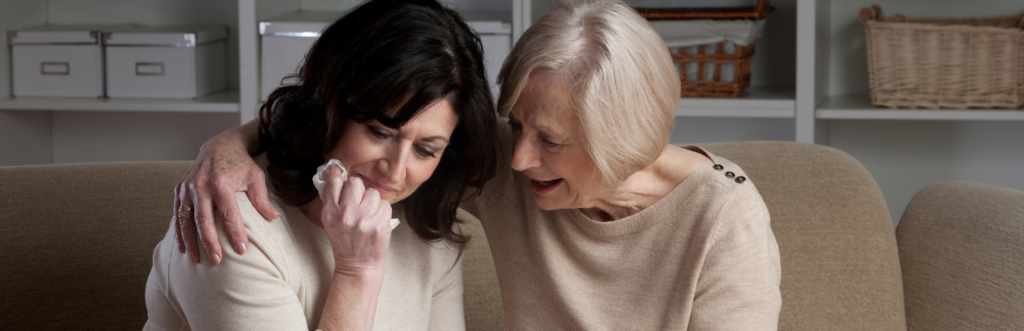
[
  {"x": 944, "y": 63},
  {"x": 713, "y": 55}
]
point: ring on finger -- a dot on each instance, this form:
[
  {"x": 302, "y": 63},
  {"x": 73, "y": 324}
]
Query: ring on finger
[{"x": 184, "y": 208}]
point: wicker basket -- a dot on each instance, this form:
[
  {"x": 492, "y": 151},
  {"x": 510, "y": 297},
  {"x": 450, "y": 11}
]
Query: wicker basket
[
  {"x": 944, "y": 63},
  {"x": 713, "y": 56}
]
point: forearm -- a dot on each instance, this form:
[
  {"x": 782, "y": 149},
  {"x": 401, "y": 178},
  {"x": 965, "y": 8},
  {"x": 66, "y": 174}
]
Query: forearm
[
  {"x": 245, "y": 137},
  {"x": 351, "y": 302}
]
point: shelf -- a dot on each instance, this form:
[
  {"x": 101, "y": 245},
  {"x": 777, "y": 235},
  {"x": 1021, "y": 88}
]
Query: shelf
[
  {"x": 755, "y": 102},
  {"x": 221, "y": 102},
  {"x": 858, "y": 107}
]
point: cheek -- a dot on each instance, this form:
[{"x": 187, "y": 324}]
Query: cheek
[
  {"x": 577, "y": 170},
  {"x": 419, "y": 174},
  {"x": 354, "y": 150}
]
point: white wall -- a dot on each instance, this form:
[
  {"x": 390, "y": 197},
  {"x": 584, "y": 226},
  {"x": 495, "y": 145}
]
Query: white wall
[
  {"x": 25, "y": 138},
  {"x": 695, "y": 130},
  {"x": 80, "y": 137}
]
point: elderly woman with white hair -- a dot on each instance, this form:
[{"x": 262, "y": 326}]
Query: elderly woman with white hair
[{"x": 599, "y": 223}]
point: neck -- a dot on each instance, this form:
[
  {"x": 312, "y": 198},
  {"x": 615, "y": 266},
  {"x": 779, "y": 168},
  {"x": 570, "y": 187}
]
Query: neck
[{"x": 646, "y": 187}]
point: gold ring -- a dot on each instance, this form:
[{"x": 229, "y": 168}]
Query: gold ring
[{"x": 184, "y": 208}]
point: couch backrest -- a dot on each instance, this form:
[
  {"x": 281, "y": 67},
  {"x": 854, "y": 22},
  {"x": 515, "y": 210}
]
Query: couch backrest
[
  {"x": 77, "y": 242},
  {"x": 840, "y": 265},
  {"x": 962, "y": 250},
  {"x": 482, "y": 298}
]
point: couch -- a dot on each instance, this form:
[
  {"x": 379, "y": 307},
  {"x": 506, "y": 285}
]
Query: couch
[{"x": 77, "y": 243}]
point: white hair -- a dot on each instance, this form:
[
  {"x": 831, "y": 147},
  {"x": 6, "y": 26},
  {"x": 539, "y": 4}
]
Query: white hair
[{"x": 622, "y": 83}]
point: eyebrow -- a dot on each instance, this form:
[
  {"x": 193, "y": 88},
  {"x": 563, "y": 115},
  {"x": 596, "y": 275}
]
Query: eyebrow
[
  {"x": 432, "y": 138},
  {"x": 545, "y": 129}
]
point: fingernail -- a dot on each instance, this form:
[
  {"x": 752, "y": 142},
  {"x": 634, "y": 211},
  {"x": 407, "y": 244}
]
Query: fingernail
[
  {"x": 215, "y": 259},
  {"x": 241, "y": 248},
  {"x": 194, "y": 256}
]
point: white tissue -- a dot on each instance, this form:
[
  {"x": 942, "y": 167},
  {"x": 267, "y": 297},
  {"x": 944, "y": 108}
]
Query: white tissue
[{"x": 320, "y": 180}]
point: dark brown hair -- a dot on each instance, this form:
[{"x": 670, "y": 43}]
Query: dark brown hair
[{"x": 387, "y": 60}]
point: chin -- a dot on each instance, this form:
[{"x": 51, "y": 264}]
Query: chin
[
  {"x": 546, "y": 204},
  {"x": 392, "y": 198}
]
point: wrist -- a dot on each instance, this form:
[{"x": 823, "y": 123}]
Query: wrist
[{"x": 360, "y": 274}]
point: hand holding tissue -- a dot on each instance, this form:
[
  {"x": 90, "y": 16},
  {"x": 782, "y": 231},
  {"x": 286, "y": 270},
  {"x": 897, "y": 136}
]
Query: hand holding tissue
[{"x": 320, "y": 180}]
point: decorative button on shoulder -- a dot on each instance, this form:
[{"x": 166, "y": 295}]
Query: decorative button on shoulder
[
  {"x": 741, "y": 179},
  {"x": 730, "y": 174},
  {"x": 718, "y": 167}
]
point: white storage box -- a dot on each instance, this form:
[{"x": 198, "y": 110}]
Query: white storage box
[
  {"x": 165, "y": 62},
  {"x": 286, "y": 40},
  {"x": 57, "y": 61}
]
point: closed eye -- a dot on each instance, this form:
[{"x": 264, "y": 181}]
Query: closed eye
[
  {"x": 426, "y": 152},
  {"x": 378, "y": 133}
]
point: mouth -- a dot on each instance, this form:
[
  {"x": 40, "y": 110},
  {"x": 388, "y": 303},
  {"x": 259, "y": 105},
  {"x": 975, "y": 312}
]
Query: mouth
[
  {"x": 544, "y": 186},
  {"x": 370, "y": 183}
]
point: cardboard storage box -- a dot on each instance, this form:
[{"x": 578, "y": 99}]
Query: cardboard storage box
[
  {"x": 57, "y": 61},
  {"x": 165, "y": 62},
  {"x": 286, "y": 39}
]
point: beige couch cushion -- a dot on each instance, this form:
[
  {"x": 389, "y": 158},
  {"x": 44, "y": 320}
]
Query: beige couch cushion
[
  {"x": 840, "y": 265},
  {"x": 77, "y": 243},
  {"x": 962, "y": 249},
  {"x": 482, "y": 293}
]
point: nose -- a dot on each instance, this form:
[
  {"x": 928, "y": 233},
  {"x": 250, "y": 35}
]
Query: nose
[
  {"x": 394, "y": 165},
  {"x": 526, "y": 154}
]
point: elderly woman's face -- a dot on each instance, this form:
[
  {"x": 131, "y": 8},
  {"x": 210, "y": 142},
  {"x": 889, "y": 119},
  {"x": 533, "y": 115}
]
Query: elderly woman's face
[
  {"x": 396, "y": 162},
  {"x": 549, "y": 146}
]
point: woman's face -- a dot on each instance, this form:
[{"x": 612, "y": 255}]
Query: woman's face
[
  {"x": 549, "y": 146},
  {"x": 396, "y": 162}
]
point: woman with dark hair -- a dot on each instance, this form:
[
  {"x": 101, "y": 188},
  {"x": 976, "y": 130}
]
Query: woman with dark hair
[{"x": 396, "y": 92}]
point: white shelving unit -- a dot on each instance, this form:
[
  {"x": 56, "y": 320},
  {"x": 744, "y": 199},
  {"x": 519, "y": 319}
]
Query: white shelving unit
[
  {"x": 858, "y": 107},
  {"x": 70, "y": 130},
  {"x": 904, "y": 149},
  {"x": 809, "y": 84},
  {"x": 220, "y": 102},
  {"x": 755, "y": 102}
]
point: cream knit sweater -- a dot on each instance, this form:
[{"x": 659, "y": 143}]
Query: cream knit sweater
[
  {"x": 702, "y": 258},
  {"x": 281, "y": 283}
]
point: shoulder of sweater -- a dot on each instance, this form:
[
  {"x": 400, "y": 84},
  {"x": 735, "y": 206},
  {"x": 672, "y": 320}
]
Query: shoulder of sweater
[
  {"x": 253, "y": 219},
  {"x": 266, "y": 235},
  {"x": 730, "y": 175}
]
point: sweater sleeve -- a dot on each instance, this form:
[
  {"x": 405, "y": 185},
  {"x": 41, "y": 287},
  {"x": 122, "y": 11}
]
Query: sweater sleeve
[
  {"x": 244, "y": 292},
  {"x": 739, "y": 281}
]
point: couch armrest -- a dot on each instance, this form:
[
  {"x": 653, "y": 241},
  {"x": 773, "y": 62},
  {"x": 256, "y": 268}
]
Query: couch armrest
[{"x": 962, "y": 251}]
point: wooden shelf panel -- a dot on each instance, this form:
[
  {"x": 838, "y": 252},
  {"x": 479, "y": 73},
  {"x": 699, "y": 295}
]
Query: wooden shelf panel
[
  {"x": 221, "y": 102},
  {"x": 858, "y": 107},
  {"x": 755, "y": 102}
]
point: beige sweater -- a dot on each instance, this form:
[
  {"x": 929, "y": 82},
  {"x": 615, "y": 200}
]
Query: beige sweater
[
  {"x": 281, "y": 283},
  {"x": 702, "y": 258}
]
